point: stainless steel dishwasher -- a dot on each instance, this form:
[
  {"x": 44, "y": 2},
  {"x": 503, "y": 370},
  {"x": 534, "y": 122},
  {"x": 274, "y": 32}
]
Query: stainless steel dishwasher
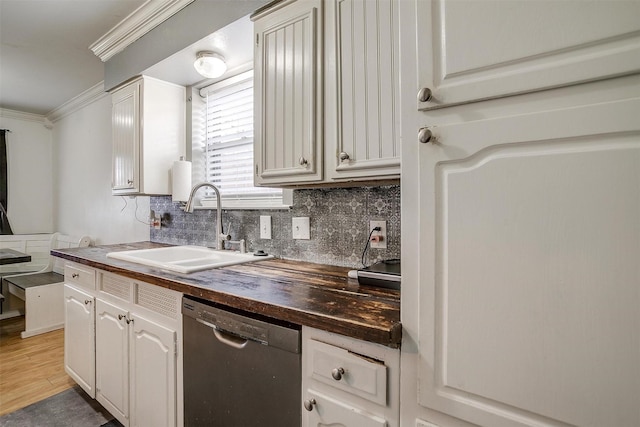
[{"x": 239, "y": 370}]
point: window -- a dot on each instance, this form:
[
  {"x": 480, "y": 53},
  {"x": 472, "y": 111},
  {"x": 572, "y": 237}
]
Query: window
[{"x": 227, "y": 144}]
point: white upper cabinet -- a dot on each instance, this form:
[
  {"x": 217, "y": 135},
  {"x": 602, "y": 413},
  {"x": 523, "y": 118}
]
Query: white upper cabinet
[
  {"x": 327, "y": 92},
  {"x": 362, "y": 98},
  {"x": 148, "y": 125},
  {"x": 288, "y": 94},
  {"x": 473, "y": 50}
]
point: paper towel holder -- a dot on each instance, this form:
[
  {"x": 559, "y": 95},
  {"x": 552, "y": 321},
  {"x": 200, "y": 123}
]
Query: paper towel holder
[{"x": 180, "y": 181}]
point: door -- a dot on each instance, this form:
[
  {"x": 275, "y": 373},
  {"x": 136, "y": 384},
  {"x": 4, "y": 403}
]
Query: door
[
  {"x": 112, "y": 359},
  {"x": 288, "y": 94},
  {"x": 79, "y": 338},
  {"x": 125, "y": 116},
  {"x": 527, "y": 307},
  {"x": 362, "y": 86},
  {"x": 153, "y": 374},
  {"x": 473, "y": 50}
]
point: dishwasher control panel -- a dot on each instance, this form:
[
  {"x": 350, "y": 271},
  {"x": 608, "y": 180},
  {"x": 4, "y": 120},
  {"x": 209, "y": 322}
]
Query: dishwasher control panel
[{"x": 243, "y": 326}]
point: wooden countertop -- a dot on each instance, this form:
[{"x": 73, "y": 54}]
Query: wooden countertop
[{"x": 304, "y": 293}]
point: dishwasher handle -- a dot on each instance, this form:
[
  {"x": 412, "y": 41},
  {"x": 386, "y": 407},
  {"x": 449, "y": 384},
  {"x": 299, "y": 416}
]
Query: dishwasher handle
[{"x": 225, "y": 337}]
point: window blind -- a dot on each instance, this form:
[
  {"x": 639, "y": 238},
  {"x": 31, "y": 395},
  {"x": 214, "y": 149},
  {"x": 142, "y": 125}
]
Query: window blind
[{"x": 228, "y": 140}]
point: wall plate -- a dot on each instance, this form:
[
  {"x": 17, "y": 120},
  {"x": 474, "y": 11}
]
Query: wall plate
[
  {"x": 265, "y": 227},
  {"x": 382, "y": 234},
  {"x": 300, "y": 227}
]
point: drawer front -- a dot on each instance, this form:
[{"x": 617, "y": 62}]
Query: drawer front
[
  {"x": 327, "y": 411},
  {"x": 84, "y": 277},
  {"x": 347, "y": 371},
  {"x": 117, "y": 286},
  {"x": 159, "y": 300}
]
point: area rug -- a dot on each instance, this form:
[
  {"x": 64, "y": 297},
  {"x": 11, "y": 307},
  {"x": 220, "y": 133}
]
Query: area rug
[{"x": 70, "y": 408}]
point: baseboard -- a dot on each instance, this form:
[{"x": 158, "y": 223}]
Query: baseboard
[
  {"x": 33, "y": 332},
  {"x": 11, "y": 313}
]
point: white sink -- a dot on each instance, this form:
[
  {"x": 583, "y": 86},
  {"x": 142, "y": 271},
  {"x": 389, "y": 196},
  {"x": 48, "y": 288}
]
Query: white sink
[{"x": 185, "y": 259}]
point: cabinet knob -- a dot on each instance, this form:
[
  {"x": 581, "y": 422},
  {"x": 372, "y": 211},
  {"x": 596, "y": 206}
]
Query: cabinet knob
[
  {"x": 337, "y": 373},
  {"x": 130, "y": 182},
  {"x": 425, "y": 135},
  {"x": 308, "y": 404},
  {"x": 424, "y": 94},
  {"x": 343, "y": 156},
  {"x": 120, "y": 316},
  {"x": 87, "y": 302},
  {"x": 75, "y": 275},
  {"x": 303, "y": 161}
]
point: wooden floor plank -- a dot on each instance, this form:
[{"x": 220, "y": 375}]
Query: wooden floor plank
[{"x": 31, "y": 369}]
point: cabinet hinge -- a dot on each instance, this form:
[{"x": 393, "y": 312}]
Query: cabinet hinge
[
  {"x": 256, "y": 169},
  {"x": 257, "y": 39}
]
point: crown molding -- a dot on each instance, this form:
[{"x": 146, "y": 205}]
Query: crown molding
[
  {"x": 137, "y": 24},
  {"x": 19, "y": 115},
  {"x": 87, "y": 97}
]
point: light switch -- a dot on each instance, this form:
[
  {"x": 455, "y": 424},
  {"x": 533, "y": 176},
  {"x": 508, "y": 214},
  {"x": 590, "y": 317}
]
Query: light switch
[
  {"x": 265, "y": 227},
  {"x": 300, "y": 227}
]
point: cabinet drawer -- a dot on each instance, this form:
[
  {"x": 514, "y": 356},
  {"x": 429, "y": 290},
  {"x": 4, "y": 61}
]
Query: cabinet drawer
[
  {"x": 79, "y": 275},
  {"x": 347, "y": 371}
]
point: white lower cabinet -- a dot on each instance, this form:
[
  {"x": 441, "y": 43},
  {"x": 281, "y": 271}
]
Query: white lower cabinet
[
  {"x": 153, "y": 367},
  {"x": 79, "y": 338},
  {"x": 128, "y": 347},
  {"x": 112, "y": 359},
  {"x": 347, "y": 382}
]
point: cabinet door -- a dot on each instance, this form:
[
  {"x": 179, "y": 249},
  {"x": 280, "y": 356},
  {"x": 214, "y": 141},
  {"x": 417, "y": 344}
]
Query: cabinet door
[
  {"x": 125, "y": 117},
  {"x": 288, "y": 94},
  {"x": 362, "y": 116},
  {"x": 527, "y": 308},
  {"x": 472, "y": 50},
  {"x": 153, "y": 374},
  {"x": 328, "y": 411},
  {"x": 79, "y": 338},
  {"x": 112, "y": 359}
]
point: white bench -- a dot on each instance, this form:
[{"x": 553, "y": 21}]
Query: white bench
[{"x": 43, "y": 291}]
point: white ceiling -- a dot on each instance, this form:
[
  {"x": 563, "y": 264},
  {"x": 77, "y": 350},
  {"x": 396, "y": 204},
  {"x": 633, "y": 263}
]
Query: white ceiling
[
  {"x": 44, "y": 49},
  {"x": 233, "y": 42},
  {"x": 45, "y": 58}
]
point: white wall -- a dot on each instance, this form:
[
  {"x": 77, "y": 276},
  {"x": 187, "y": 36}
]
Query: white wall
[
  {"x": 82, "y": 159},
  {"x": 30, "y": 174}
]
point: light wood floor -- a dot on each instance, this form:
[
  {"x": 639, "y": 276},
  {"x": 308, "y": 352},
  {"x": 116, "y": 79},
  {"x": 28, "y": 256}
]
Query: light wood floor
[{"x": 31, "y": 369}]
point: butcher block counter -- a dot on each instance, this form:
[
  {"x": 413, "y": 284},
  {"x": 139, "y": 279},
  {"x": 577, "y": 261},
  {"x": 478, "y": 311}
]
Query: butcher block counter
[{"x": 303, "y": 293}]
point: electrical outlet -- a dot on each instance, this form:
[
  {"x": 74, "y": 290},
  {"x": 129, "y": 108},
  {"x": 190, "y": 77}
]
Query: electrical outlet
[
  {"x": 378, "y": 238},
  {"x": 265, "y": 227},
  {"x": 300, "y": 228}
]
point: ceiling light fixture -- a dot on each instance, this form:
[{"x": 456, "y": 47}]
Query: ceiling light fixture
[{"x": 210, "y": 64}]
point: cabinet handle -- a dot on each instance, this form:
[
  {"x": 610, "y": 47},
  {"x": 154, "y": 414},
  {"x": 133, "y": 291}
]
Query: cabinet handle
[
  {"x": 130, "y": 182},
  {"x": 424, "y": 94},
  {"x": 337, "y": 373},
  {"x": 303, "y": 161},
  {"x": 120, "y": 316},
  {"x": 87, "y": 302},
  {"x": 75, "y": 275},
  {"x": 308, "y": 404},
  {"x": 343, "y": 156},
  {"x": 425, "y": 135},
  {"x": 126, "y": 319}
]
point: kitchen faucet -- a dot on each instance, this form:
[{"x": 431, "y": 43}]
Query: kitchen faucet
[{"x": 220, "y": 236}]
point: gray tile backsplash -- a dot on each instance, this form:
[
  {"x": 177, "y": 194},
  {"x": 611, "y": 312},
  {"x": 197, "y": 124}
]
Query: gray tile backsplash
[{"x": 339, "y": 220}]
